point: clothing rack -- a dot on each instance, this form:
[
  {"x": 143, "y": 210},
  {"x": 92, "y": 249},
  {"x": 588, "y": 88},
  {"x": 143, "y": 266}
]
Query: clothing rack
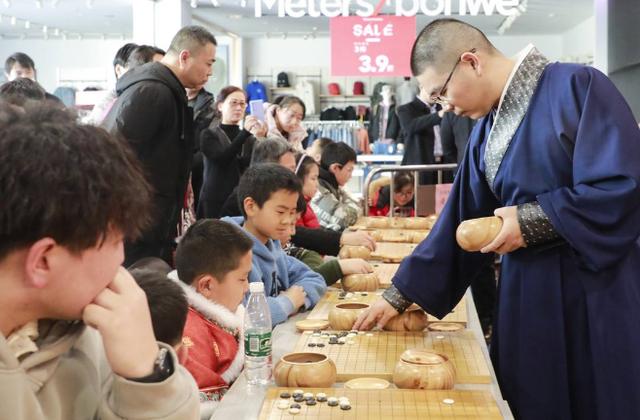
[{"x": 311, "y": 124}]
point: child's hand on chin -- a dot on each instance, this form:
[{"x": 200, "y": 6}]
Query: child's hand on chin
[{"x": 121, "y": 314}]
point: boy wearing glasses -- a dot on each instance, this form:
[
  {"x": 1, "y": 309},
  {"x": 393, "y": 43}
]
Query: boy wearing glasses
[{"x": 556, "y": 155}]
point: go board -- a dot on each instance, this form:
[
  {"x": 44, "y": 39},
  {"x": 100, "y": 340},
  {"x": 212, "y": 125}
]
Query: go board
[
  {"x": 333, "y": 296},
  {"x": 375, "y": 354},
  {"x": 392, "y": 252},
  {"x": 385, "y": 272},
  {"x": 396, "y": 404}
]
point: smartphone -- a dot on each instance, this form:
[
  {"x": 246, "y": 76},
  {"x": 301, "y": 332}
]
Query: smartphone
[{"x": 256, "y": 109}]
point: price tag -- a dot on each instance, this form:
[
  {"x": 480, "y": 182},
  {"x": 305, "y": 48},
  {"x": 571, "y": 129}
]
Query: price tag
[{"x": 374, "y": 46}]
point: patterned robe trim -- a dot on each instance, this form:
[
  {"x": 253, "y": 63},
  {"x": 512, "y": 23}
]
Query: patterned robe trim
[
  {"x": 513, "y": 106},
  {"x": 396, "y": 299},
  {"x": 535, "y": 225},
  {"x": 222, "y": 317}
]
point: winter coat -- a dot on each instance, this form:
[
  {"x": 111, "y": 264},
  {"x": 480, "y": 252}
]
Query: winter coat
[
  {"x": 152, "y": 115},
  {"x": 68, "y": 377}
]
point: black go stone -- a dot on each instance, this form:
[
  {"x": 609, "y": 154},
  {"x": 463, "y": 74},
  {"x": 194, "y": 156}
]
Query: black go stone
[
  {"x": 345, "y": 407},
  {"x": 295, "y": 406},
  {"x": 311, "y": 401},
  {"x": 333, "y": 341},
  {"x": 320, "y": 345},
  {"x": 312, "y": 344},
  {"x": 333, "y": 403},
  {"x": 285, "y": 395},
  {"x": 322, "y": 399},
  {"x": 299, "y": 399}
]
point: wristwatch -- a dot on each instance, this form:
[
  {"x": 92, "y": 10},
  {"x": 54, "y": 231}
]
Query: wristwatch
[{"x": 162, "y": 368}]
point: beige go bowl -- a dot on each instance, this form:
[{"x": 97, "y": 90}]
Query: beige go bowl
[
  {"x": 411, "y": 320},
  {"x": 361, "y": 282},
  {"x": 474, "y": 234},
  {"x": 305, "y": 370},
  {"x": 344, "y": 315},
  {"x": 352, "y": 251},
  {"x": 424, "y": 369}
]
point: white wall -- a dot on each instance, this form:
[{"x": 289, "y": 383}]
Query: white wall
[
  {"x": 52, "y": 55},
  {"x": 580, "y": 41}
]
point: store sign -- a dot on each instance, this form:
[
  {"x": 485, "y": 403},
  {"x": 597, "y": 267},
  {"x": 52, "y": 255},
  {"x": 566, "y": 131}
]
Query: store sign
[
  {"x": 375, "y": 46},
  {"x": 367, "y": 8}
]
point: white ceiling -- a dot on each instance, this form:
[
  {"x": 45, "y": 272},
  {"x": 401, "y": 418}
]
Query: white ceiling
[{"x": 113, "y": 18}]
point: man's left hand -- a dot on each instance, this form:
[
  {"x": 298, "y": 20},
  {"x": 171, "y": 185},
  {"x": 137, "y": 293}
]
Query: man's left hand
[{"x": 510, "y": 237}]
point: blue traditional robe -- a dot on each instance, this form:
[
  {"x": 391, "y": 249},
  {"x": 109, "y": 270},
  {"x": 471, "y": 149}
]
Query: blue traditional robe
[{"x": 566, "y": 341}]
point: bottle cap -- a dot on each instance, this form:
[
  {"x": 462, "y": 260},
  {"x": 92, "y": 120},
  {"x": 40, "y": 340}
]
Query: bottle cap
[{"x": 256, "y": 287}]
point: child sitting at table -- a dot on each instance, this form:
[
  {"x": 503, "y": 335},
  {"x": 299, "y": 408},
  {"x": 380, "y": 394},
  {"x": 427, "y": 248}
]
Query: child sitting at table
[
  {"x": 403, "y": 192},
  {"x": 213, "y": 262}
]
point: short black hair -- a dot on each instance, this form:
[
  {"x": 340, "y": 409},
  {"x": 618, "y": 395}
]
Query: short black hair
[
  {"x": 22, "y": 59},
  {"x": 167, "y": 302},
  {"x": 22, "y": 90},
  {"x": 261, "y": 181},
  {"x": 338, "y": 152},
  {"x": 442, "y": 41},
  {"x": 270, "y": 150},
  {"x": 191, "y": 38},
  {"x": 210, "y": 247},
  {"x": 73, "y": 183},
  {"x": 123, "y": 53},
  {"x": 142, "y": 54}
]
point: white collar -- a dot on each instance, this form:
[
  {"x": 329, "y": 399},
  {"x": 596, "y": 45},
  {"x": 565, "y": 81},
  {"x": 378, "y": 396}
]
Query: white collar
[
  {"x": 519, "y": 58},
  {"x": 211, "y": 310}
]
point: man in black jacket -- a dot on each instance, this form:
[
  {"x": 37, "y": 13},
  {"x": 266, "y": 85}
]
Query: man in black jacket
[
  {"x": 417, "y": 122},
  {"x": 153, "y": 115},
  {"x": 454, "y": 133}
]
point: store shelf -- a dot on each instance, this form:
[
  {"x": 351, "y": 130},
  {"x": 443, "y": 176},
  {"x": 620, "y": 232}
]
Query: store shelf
[{"x": 379, "y": 158}]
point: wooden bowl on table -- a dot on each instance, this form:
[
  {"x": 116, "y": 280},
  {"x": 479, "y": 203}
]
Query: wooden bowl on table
[
  {"x": 417, "y": 223},
  {"x": 474, "y": 234},
  {"x": 410, "y": 320},
  {"x": 377, "y": 222},
  {"x": 344, "y": 315},
  {"x": 361, "y": 282},
  {"x": 305, "y": 370},
  {"x": 424, "y": 369},
  {"x": 354, "y": 251}
]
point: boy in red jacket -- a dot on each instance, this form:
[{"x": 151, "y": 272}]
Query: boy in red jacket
[{"x": 213, "y": 262}]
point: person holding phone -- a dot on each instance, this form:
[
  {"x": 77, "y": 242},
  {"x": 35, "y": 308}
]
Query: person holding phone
[
  {"x": 283, "y": 118},
  {"x": 226, "y": 149}
]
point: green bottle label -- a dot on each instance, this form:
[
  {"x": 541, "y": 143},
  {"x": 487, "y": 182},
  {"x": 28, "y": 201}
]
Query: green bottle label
[{"x": 257, "y": 345}]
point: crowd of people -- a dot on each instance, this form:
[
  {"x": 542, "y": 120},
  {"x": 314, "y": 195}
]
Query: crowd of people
[{"x": 129, "y": 239}]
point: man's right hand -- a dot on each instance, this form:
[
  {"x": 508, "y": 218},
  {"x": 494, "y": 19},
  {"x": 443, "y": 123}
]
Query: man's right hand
[
  {"x": 296, "y": 295},
  {"x": 358, "y": 238},
  {"x": 377, "y": 315}
]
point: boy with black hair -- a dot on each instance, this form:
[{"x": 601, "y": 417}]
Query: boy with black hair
[
  {"x": 268, "y": 195},
  {"x": 22, "y": 90},
  {"x": 335, "y": 208},
  {"x": 20, "y": 64},
  {"x": 213, "y": 262},
  {"x": 61, "y": 239},
  {"x": 167, "y": 304}
]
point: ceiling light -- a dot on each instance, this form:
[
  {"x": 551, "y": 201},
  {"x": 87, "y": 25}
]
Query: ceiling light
[
  {"x": 54, "y": 3},
  {"x": 243, "y": 3},
  {"x": 7, "y": 3},
  {"x": 27, "y": 24},
  {"x": 194, "y": 3},
  {"x": 89, "y": 4},
  {"x": 45, "y": 29},
  {"x": 39, "y": 4},
  {"x": 214, "y": 3},
  {"x": 56, "y": 32},
  {"x": 306, "y": 36},
  {"x": 284, "y": 35},
  {"x": 13, "y": 20}
]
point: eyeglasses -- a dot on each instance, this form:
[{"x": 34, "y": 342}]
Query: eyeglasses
[{"x": 440, "y": 98}]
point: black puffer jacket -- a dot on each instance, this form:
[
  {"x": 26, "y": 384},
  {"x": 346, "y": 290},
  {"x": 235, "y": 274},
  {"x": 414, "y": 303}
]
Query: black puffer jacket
[{"x": 152, "y": 115}]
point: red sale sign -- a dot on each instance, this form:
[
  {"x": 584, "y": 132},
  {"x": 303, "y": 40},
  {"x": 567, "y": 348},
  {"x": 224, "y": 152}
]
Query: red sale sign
[{"x": 372, "y": 46}]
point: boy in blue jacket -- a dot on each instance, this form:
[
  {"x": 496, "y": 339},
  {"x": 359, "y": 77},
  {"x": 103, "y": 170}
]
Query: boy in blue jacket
[{"x": 268, "y": 196}]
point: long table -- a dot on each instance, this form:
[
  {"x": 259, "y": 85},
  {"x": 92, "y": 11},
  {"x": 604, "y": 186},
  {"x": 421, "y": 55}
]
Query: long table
[{"x": 243, "y": 402}]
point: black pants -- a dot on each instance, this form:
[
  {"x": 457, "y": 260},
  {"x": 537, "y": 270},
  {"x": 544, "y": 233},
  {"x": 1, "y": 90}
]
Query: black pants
[
  {"x": 159, "y": 239},
  {"x": 483, "y": 288}
]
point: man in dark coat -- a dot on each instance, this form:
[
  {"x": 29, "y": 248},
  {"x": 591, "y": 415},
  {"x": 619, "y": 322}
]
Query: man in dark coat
[
  {"x": 417, "y": 122},
  {"x": 153, "y": 115},
  {"x": 202, "y": 103}
]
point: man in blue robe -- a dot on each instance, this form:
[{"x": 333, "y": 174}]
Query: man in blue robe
[{"x": 556, "y": 155}]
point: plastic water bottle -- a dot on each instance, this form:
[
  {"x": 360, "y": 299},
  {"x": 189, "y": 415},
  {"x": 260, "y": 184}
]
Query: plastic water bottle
[{"x": 257, "y": 337}]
